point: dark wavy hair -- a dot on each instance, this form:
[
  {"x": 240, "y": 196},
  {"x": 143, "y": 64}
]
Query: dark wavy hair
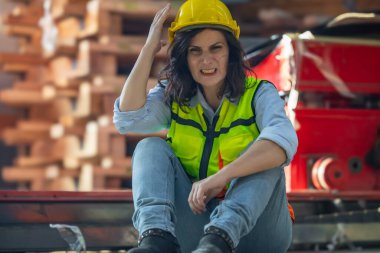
[{"x": 181, "y": 86}]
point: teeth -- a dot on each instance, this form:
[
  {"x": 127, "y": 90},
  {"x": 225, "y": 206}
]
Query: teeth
[{"x": 208, "y": 71}]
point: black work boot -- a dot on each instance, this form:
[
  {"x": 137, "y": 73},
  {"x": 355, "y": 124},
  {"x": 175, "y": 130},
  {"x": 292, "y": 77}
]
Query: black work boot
[
  {"x": 156, "y": 241},
  {"x": 215, "y": 240}
]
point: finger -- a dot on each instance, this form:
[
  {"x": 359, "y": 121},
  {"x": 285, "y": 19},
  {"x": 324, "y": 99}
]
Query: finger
[
  {"x": 192, "y": 200},
  {"x": 189, "y": 199},
  {"x": 162, "y": 13},
  {"x": 197, "y": 195},
  {"x": 194, "y": 208},
  {"x": 201, "y": 200},
  {"x": 198, "y": 199}
]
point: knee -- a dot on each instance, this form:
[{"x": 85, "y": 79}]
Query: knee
[
  {"x": 150, "y": 146},
  {"x": 267, "y": 179},
  {"x": 147, "y": 154}
]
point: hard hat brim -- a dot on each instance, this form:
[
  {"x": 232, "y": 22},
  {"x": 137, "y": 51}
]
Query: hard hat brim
[
  {"x": 212, "y": 26},
  {"x": 172, "y": 32}
]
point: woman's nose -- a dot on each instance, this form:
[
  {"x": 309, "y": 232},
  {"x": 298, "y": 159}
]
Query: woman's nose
[{"x": 206, "y": 58}]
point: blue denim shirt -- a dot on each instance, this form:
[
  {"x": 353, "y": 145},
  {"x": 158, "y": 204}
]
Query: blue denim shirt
[{"x": 271, "y": 118}]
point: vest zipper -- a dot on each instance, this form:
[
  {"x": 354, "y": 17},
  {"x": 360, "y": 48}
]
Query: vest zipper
[{"x": 210, "y": 135}]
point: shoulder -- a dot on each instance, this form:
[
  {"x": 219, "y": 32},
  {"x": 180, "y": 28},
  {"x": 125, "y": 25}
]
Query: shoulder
[{"x": 256, "y": 86}]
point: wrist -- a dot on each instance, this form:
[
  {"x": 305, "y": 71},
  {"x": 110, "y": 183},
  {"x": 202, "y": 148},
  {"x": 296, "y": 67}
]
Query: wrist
[
  {"x": 148, "y": 51},
  {"x": 226, "y": 174}
]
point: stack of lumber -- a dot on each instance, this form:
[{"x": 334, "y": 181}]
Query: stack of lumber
[{"x": 73, "y": 60}]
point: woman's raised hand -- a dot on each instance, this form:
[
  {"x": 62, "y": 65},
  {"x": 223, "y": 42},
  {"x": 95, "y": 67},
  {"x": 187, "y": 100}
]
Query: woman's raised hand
[{"x": 153, "y": 41}]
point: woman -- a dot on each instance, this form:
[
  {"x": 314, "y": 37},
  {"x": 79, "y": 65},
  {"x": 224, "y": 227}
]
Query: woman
[{"x": 217, "y": 183}]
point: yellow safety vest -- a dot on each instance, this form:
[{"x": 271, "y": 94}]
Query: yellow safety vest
[{"x": 205, "y": 147}]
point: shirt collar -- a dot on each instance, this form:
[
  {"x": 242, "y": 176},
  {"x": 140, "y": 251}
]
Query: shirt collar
[{"x": 199, "y": 98}]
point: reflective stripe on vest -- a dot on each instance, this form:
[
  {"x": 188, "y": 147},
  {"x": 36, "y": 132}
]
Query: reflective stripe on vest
[{"x": 205, "y": 147}]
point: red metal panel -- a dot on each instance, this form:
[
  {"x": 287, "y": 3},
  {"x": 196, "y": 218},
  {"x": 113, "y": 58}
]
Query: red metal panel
[
  {"x": 345, "y": 134},
  {"x": 275, "y": 67},
  {"x": 355, "y": 64}
]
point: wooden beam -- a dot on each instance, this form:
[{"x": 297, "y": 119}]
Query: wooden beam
[
  {"x": 17, "y": 97},
  {"x": 17, "y": 136},
  {"x": 28, "y": 85},
  {"x": 25, "y": 59},
  {"x": 67, "y": 8},
  {"x": 21, "y": 20},
  {"x": 58, "y": 109},
  {"x": 104, "y": 17},
  {"x": 26, "y": 46},
  {"x": 136, "y": 9},
  {"x": 39, "y": 177},
  {"x": 58, "y": 130},
  {"x": 103, "y": 176},
  {"x": 68, "y": 31},
  {"x": 103, "y": 84},
  {"x": 32, "y": 161},
  {"x": 18, "y": 30},
  {"x": 75, "y": 150},
  {"x": 102, "y": 58},
  {"x": 34, "y": 125},
  {"x": 123, "y": 45},
  {"x": 33, "y": 10},
  {"x": 60, "y": 67},
  {"x": 7, "y": 121}
]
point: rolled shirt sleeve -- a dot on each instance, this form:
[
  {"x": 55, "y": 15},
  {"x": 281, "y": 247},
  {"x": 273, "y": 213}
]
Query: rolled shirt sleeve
[
  {"x": 152, "y": 117},
  {"x": 273, "y": 123}
]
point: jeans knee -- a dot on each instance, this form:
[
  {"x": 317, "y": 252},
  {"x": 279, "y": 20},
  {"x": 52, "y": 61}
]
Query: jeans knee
[{"x": 150, "y": 146}]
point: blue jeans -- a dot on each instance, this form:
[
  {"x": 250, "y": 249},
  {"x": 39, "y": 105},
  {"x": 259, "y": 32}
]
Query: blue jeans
[{"x": 254, "y": 212}]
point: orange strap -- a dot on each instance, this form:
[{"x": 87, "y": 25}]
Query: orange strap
[
  {"x": 221, "y": 194},
  {"x": 291, "y": 212}
]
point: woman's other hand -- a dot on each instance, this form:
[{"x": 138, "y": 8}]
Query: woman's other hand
[
  {"x": 204, "y": 190},
  {"x": 153, "y": 40}
]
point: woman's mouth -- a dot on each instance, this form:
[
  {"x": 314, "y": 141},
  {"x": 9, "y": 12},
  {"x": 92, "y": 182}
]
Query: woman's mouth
[{"x": 208, "y": 71}]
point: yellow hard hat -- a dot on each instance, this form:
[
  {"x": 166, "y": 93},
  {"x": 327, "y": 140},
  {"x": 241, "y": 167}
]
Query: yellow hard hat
[{"x": 203, "y": 13}]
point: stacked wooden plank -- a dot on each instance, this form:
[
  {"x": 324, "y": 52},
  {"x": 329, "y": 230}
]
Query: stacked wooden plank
[{"x": 74, "y": 58}]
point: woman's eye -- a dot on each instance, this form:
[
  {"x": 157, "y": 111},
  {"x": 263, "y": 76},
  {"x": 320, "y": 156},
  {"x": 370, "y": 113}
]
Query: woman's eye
[
  {"x": 194, "y": 50},
  {"x": 216, "y": 48}
]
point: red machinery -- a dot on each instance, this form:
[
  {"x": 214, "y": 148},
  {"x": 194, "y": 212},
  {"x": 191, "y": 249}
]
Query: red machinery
[
  {"x": 334, "y": 94},
  {"x": 338, "y": 124},
  {"x": 331, "y": 83}
]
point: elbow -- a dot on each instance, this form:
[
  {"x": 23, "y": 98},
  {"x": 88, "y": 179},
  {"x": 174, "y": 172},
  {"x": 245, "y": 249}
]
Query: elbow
[
  {"x": 121, "y": 130},
  {"x": 294, "y": 141},
  {"x": 119, "y": 125},
  {"x": 292, "y": 147}
]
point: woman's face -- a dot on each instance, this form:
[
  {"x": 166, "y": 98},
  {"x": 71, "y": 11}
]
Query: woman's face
[{"x": 208, "y": 58}]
